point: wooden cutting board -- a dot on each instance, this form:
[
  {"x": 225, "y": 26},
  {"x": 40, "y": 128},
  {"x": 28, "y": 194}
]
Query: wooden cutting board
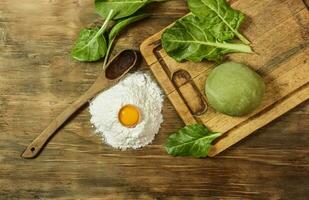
[{"x": 279, "y": 32}]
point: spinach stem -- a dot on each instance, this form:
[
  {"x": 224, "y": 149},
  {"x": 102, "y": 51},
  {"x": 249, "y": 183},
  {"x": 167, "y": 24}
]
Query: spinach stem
[
  {"x": 101, "y": 31},
  {"x": 103, "y": 27},
  {"x": 232, "y": 46},
  {"x": 242, "y": 38},
  {"x": 110, "y": 44}
]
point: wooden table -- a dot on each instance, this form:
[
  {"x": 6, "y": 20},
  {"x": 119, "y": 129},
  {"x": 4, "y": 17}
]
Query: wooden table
[{"x": 38, "y": 78}]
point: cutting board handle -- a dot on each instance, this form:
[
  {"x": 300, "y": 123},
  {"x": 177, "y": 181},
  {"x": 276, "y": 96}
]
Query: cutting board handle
[{"x": 189, "y": 92}]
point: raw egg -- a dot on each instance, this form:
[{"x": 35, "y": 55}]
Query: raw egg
[{"x": 129, "y": 116}]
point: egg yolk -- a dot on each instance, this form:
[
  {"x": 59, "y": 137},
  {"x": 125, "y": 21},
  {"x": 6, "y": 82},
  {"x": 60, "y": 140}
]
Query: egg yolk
[{"x": 129, "y": 116}]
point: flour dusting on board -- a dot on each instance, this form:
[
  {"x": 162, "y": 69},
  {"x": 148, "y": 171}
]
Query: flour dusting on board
[{"x": 136, "y": 89}]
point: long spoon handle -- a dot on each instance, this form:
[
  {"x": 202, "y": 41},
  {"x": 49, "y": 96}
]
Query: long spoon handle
[{"x": 38, "y": 144}]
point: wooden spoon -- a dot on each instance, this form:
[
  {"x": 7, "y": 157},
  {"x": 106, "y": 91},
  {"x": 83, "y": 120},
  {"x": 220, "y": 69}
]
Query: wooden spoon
[{"x": 120, "y": 65}]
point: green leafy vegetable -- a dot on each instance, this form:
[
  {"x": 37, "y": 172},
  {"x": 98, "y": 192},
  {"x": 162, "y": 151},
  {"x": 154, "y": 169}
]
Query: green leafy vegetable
[
  {"x": 221, "y": 20},
  {"x": 122, "y": 8},
  {"x": 120, "y": 25},
  {"x": 190, "y": 39},
  {"x": 117, "y": 28},
  {"x": 192, "y": 140},
  {"x": 91, "y": 44}
]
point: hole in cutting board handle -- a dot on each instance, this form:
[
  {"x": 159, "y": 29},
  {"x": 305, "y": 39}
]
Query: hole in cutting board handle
[{"x": 189, "y": 92}]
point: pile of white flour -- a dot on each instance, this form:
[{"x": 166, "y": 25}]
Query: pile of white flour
[{"x": 137, "y": 89}]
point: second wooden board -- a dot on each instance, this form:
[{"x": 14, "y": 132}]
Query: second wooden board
[{"x": 281, "y": 58}]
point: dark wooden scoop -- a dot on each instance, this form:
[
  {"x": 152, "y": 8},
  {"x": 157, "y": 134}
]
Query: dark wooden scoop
[{"x": 119, "y": 66}]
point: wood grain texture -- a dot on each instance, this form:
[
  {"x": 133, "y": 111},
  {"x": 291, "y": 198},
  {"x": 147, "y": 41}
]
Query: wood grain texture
[
  {"x": 282, "y": 62},
  {"x": 38, "y": 79}
]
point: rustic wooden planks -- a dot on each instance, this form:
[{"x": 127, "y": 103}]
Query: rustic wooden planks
[{"x": 38, "y": 79}]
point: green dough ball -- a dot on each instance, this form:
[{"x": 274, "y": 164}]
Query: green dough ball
[{"x": 234, "y": 89}]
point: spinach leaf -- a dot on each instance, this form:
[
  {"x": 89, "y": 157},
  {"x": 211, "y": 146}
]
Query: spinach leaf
[
  {"x": 117, "y": 28},
  {"x": 192, "y": 140},
  {"x": 122, "y": 8},
  {"x": 121, "y": 24},
  {"x": 222, "y": 20},
  {"x": 91, "y": 44},
  {"x": 190, "y": 39}
]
